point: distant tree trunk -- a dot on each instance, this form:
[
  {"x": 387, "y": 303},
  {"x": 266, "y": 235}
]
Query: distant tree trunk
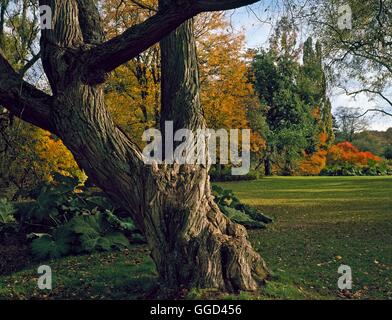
[
  {"x": 267, "y": 166},
  {"x": 267, "y": 162},
  {"x": 191, "y": 241}
]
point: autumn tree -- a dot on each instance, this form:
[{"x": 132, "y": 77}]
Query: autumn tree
[
  {"x": 133, "y": 90},
  {"x": 225, "y": 89},
  {"x": 192, "y": 243},
  {"x": 28, "y": 155},
  {"x": 345, "y": 153},
  {"x": 226, "y": 92}
]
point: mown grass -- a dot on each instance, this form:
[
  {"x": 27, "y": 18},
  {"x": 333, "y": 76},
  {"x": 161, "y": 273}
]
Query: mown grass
[
  {"x": 118, "y": 275},
  {"x": 320, "y": 223}
]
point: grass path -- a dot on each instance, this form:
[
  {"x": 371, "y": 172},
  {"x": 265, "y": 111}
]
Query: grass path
[{"x": 320, "y": 223}]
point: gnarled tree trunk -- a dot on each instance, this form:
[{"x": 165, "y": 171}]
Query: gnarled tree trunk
[
  {"x": 191, "y": 241},
  {"x": 200, "y": 246}
]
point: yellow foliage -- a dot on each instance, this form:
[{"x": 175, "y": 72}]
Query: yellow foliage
[
  {"x": 133, "y": 91},
  {"x": 34, "y": 156},
  {"x": 55, "y": 157}
]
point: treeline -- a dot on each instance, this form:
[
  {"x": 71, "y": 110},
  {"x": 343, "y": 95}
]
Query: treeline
[
  {"x": 377, "y": 142},
  {"x": 280, "y": 93}
]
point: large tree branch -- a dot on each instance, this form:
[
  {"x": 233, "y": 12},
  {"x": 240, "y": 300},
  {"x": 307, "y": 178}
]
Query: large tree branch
[
  {"x": 374, "y": 110},
  {"x": 22, "y": 99},
  {"x": 90, "y": 22},
  {"x": 376, "y": 92},
  {"x": 220, "y": 5},
  {"x": 111, "y": 54},
  {"x": 29, "y": 64}
]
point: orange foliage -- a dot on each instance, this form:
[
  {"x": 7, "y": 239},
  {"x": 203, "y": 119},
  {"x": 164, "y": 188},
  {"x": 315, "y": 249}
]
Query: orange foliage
[
  {"x": 341, "y": 153},
  {"x": 313, "y": 164},
  {"x": 316, "y": 114},
  {"x": 226, "y": 91},
  {"x": 345, "y": 152}
]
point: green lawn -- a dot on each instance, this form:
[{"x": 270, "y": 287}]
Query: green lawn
[{"x": 320, "y": 223}]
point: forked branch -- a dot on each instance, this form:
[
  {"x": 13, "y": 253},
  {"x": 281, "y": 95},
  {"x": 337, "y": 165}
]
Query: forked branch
[{"x": 111, "y": 54}]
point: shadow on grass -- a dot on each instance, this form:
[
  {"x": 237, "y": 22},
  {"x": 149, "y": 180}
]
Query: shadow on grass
[{"x": 304, "y": 247}]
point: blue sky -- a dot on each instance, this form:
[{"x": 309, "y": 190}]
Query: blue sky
[{"x": 252, "y": 21}]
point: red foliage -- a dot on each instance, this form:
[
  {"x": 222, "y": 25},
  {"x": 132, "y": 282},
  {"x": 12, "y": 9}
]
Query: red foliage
[
  {"x": 345, "y": 152},
  {"x": 341, "y": 153}
]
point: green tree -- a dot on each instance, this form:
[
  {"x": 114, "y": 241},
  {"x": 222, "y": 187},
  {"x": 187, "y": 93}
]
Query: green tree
[
  {"x": 313, "y": 87},
  {"x": 290, "y": 95},
  {"x": 388, "y": 153}
]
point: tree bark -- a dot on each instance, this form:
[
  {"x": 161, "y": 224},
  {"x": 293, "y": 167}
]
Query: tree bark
[
  {"x": 267, "y": 167},
  {"x": 192, "y": 243},
  {"x": 267, "y": 162},
  {"x": 3, "y": 8},
  {"x": 201, "y": 246}
]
